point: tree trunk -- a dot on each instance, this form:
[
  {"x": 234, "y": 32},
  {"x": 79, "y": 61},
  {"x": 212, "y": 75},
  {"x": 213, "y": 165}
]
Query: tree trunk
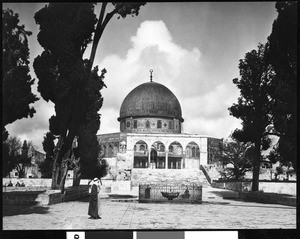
[
  {"x": 55, "y": 168},
  {"x": 76, "y": 176},
  {"x": 64, "y": 173},
  {"x": 256, "y": 166},
  {"x": 76, "y": 179},
  {"x": 55, "y": 174}
]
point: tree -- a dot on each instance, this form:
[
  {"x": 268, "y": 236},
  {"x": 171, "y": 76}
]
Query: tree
[
  {"x": 284, "y": 166},
  {"x": 283, "y": 58},
  {"x": 16, "y": 81},
  {"x": 239, "y": 155},
  {"x": 254, "y": 104},
  {"x": 11, "y": 150},
  {"x": 65, "y": 78},
  {"x": 48, "y": 146},
  {"x": 19, "y": 156},
  {"x": 24, "y": 159}
]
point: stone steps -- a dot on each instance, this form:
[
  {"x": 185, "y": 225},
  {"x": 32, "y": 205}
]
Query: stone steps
[{"x": 168, "y": 176}]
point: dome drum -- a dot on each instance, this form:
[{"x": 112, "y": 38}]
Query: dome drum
[{"x": 150, "y": 125}]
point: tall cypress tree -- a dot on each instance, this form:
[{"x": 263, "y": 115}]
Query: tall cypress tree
[{"x": 254, "y": 104}]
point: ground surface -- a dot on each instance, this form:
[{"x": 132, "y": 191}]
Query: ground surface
[{"x": 214, "y": 213}]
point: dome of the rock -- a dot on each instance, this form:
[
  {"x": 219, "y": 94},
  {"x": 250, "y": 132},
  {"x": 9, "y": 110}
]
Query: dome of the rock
[{"x": 151, "y": 101}]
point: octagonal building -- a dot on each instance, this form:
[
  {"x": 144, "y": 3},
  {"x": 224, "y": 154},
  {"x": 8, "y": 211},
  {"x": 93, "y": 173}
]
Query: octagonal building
[{"x": 151, "y": 146}]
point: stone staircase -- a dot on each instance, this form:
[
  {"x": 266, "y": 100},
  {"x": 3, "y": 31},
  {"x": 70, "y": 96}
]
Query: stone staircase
[{"x": 168, "y": 176}]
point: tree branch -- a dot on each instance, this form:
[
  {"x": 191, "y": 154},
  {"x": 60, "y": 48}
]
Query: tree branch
[
  {"x": 103, "y": 7},
  {"x": 276, "y": 134},
  {"x": 98, "y": 33}
]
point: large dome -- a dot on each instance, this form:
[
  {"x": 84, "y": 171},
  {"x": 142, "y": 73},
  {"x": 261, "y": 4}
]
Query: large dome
[{"x": 151, "y": 99}]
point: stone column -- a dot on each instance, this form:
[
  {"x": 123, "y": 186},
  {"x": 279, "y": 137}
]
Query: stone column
[
  {"x": 149, "y": 157},
  {"x": 166, "y": 160},
  {"x": 183, "y": 160}
]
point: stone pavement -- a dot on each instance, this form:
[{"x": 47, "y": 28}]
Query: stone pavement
[{"x": 214, "y": 213}]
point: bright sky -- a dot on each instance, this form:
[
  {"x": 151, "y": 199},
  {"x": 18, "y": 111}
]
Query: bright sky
[{"x": 193, "y": 48}]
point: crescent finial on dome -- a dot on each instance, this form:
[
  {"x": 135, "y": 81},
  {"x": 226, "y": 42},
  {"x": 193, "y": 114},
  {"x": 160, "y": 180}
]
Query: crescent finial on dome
[{"x": 151, "y": 75}]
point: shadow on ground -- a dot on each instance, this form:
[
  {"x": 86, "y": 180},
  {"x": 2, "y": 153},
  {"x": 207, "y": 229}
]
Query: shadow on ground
[
  {"x": 12, "y": 210},
  {"x": 226, "y": 195}
]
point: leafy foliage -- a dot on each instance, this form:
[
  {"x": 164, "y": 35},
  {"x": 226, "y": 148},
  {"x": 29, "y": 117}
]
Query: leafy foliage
[
  {"x": 16, "y": 80},
  {"x": 123, "y": 9},
  {"x": 48, "y": 146},
  {"x": 65, "y": 31},
  {"x": 19, "y": 156},
  {"x": 10, "y": 150},
  {"x": 283, "y": 57},
  {"x": 87, "y": 138},
  {"x": 69, "y": 81},
  {"x": 239, "y": 155},
  {"x": 25, "y": 159},
  {"x": 254, "y": 104}
]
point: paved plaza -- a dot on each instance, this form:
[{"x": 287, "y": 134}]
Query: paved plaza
[{"x": 214, "y": 213}]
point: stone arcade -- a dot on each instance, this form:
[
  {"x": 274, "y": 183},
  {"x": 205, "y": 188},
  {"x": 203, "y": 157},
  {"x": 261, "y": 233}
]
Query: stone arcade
[{"x": 151, "y": 146}]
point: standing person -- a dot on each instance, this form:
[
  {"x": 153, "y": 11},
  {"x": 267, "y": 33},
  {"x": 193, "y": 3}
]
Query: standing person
[{"x": 94, "y": 205}]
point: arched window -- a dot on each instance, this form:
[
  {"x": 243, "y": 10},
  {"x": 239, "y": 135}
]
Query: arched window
[
  {"x": 159, "y": 124},
  {"x": 170, "y": 124},
  {"x": 193, "y": 152},
  {"x": 109, "y": 153},
  {"x": 147, "y": 124},
  {"x": 135, "y": 124},
  {"x": 188, "y": 152}
]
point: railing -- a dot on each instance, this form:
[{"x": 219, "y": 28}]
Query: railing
[
  {"x": 159, "y": 192},
  {"x": 203, "y": 169}
]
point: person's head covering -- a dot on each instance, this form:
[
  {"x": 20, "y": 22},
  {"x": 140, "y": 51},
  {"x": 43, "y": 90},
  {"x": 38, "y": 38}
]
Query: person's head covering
[{"x": 95, "y": 181}]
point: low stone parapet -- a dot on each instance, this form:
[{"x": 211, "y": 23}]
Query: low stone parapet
[
  {"x": 42, "y": 196},
  {"x": 270, "y": 198},
  {"x": 281, "y": 187},
  {"x": 21, "y": 197},
  {"x": 34, "y": 182},
  {"x": 76, "y": 192},
  {"x": 49, "y": 197}
]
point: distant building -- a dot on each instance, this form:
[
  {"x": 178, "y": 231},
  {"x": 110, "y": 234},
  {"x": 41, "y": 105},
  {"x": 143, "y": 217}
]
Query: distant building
[{"x": 32, "y": 171}]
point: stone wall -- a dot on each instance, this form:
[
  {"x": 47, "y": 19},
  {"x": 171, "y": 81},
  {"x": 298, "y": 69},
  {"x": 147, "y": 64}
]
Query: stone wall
[
  {"x": 264, "y": 186},
  {"x": 42, "y": 196},
  {"x": 21, "y": 197},
  {"x": 270, "y": 198},
  {"x": 34, "y": 182},
  {"x": 278, "y": 187},
  {"x": 171, "y": 176},
  {"x": 114, "y": 186},
  {"x": 45, "y": 183},
  {"x": 76, "y": 192}
]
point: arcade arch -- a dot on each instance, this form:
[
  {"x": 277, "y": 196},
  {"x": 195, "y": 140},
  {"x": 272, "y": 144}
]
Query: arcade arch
[
  {"x": 141, "y": 154},
  {"x": 157, "y": 155},
  {"x": 175, "y": 156}
]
